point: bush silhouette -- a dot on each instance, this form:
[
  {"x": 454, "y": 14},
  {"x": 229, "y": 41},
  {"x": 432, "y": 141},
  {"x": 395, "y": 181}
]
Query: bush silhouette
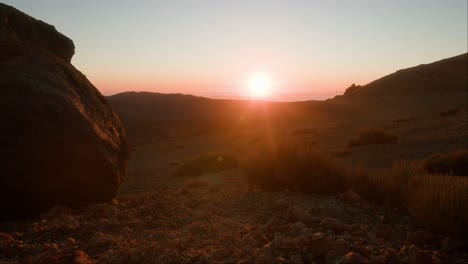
[
  {"x": 455, "y": 163},
  {"x": 295, "y": 167},
  {"x": 449, "y": 112},
  {"x": 373, "y": 136}
]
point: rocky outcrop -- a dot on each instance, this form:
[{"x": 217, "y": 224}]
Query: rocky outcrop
[{"x": 61, "y": 143}]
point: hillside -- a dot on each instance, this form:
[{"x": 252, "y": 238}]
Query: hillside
[{"x": 441, "y": 77}]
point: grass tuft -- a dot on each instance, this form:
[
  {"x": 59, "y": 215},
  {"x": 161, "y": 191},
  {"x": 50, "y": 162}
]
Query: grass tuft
[
  {"x": 440, "y": 202},
  {"x": 373, "y": 136}
]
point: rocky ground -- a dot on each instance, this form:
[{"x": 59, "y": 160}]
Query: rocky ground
[{"x": 227, "y": 222}]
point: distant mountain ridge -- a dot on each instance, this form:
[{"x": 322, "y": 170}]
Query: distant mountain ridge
[
  {"x": 420, "y": 87},
  {"x": 444, "y": 76}
]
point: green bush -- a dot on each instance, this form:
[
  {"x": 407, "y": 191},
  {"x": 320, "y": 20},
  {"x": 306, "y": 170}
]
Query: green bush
[
  {"x": 295, "y": 167},
  {"x": 205, "y": 164},
  {"x": 373, "y": 136}
]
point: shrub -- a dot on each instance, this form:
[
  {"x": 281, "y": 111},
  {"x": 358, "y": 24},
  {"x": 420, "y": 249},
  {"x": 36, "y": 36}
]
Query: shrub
[
  {"x": 449, "y": 112},
  {"x": 384, "y": 186},
  {"x": 402, "y": 120},
  {"x": 373, "y": 136},
  {"x": 195, "y": 183},
  {"x": 455, "y": 163},
  {"x": 205, "y": 164},
  {"x": 295, "y": 167},
  {"x": 440, "y": 202},
  {"x": 342, "y": 153},
  {"x": 303, "y": 131}
]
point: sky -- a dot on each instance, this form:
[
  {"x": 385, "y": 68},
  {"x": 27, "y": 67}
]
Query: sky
[{"x": 308, "y": 49}]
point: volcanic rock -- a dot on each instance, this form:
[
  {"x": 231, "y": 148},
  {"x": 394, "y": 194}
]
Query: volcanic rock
[{"x": 61, "y": 141}]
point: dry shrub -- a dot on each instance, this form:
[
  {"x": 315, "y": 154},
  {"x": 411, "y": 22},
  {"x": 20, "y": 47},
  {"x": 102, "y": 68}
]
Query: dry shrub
[
  {"x": 342, "y": 153},
  {"x": 205, "y": 164},
  {"x": 449, "y": 112},
  {"x": 440, "y": 202},
  {"x": 373, "y": 136},
  {"x": 384, "y": 186},
  {"x": 304, "y": 131},
  {"x": 295, "y": 167},
  {"x": 455, "y": 163},
  {"x": 402, "y": 120},
  {"x": 196, "y": 183}
]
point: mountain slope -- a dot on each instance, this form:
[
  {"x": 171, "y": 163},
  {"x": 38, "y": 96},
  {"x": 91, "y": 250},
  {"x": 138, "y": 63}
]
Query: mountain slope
[{"x": 445, "y": 76}]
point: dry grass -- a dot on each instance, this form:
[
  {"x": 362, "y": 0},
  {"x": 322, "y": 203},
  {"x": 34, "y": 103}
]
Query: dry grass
[
  {"x": 449, "y": 112},
  {"x": 437, "y": 201},
  {"x": 455, "y": 163},
  {"x": 373, "y": 136},
  {"x": 440, "y": 202},
  {"x": 207, "y": 163},
  {"x": 383, "y": 186},
  {"x": 295, "y": 167}
]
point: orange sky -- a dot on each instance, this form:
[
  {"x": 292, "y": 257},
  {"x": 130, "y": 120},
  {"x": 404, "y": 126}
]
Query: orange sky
[{"x": 310, "y": 49}]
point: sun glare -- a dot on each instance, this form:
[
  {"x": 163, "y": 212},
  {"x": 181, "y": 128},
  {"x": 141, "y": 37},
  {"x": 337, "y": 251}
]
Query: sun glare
[{"x": 260, "y": 85}]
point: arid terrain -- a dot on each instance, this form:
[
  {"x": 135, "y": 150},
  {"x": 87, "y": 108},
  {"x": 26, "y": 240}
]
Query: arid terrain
[{"x": 220, "y": 217}]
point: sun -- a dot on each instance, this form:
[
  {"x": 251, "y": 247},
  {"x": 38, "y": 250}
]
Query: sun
[{"x": 260, "y": 85}]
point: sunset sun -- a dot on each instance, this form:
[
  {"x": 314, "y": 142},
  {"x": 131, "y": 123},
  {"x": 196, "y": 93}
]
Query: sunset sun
[{"x": 260, "y": 85}]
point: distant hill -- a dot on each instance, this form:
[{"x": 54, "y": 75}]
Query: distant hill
[
  {"x": 422, "y": 89},
  {"x": 146, "y": 112},
  {"x": 445, "y": 76}
]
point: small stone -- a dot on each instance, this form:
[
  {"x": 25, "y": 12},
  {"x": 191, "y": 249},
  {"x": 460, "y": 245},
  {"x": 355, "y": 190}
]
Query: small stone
[
  {"x": 295, "y": 259},
  {"x": 391, "y": 257},
  {"x": 413, "y": 249},
  {"x": 332, "y": 224},
  {"x": 334, "y": 256},
  {"x": 82, "y": 258},
  {"x": 321, "y": 246},
  {"x": 451, "y": 244},
  {"x": 385, "y": 233},
  {"x": 352, "y": 257},
  {"x": 298, "y": 226},
  {"x": 387, "y": 219},
  {"x": 279, "y": 205},
  {"x": 100, "y": 210},
  {"x": 332, "y": 209},
  {"x": 370, "y": 238},
  {"x": 423, "y": 257},
  {"x": 6, "y": 238},
  {"x": 295, "y": 213}
]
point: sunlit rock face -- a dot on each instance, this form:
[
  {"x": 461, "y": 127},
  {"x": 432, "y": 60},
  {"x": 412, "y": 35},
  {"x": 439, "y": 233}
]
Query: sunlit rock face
[{"x": 60, "y": 141}]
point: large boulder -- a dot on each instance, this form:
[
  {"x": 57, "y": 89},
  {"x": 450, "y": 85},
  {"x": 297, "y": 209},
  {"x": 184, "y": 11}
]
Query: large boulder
[{"x": 60, "y": 142}]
